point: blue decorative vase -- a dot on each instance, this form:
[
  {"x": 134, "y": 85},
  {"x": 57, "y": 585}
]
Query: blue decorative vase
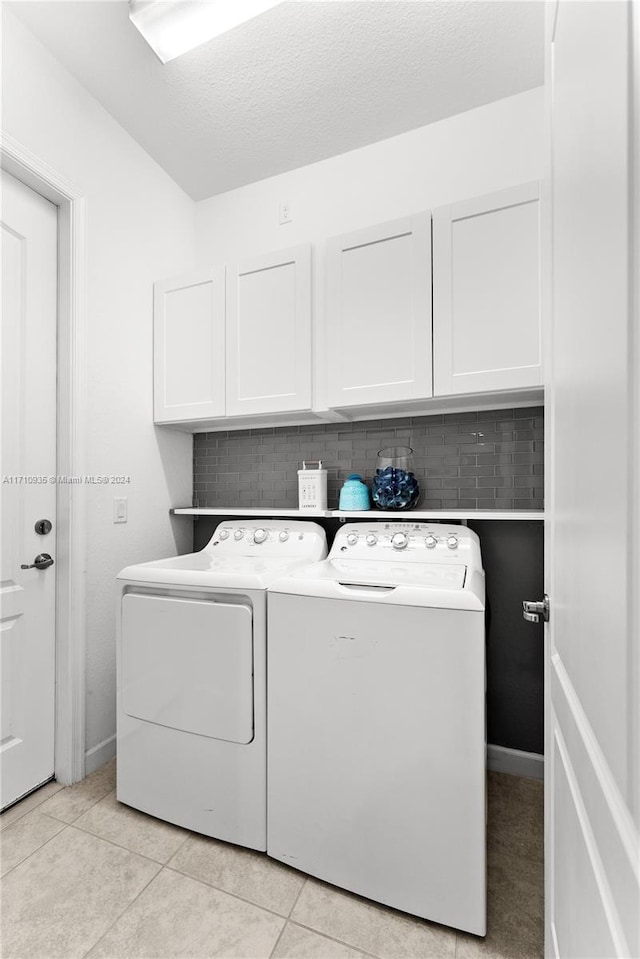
[
  {"x": 354, "y": 494},
  {"x": 395, "y": 486}
]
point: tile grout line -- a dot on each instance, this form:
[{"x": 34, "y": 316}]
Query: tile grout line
[
  {"x": 381, "y": 906},
  {"x": 304, "y": 883},
  {"x": 41, "y": 846},
  {"x": 116, "y": 845},
  {"x": 127, "y": 907},
  {"x": 340, "y": 942},
  {"x": 287, "y": 918},
  {"x": 226, "y": 892},
  {"x": 27, "y": 811},
  {"x": 91, "y": 804},
  {"x": 286, "y": 921},
  {"x": 84, "y": 811},
  {"x": 189, "y": 835},
  {"x": 280, "y": 934},
  {"x": 180, "y": 872}
]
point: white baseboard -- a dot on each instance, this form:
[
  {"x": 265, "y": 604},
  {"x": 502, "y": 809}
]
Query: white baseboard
[
  {"x": 500, "y": 759},
  {"x": 99, "y": 755}
]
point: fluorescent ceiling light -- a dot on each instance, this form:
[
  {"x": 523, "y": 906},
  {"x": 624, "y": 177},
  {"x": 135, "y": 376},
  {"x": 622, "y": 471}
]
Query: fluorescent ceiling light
[{"x": 173, "y": 27}]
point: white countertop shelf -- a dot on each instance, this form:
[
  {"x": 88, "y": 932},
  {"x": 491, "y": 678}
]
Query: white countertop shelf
[
  {"x": 411, "y": 514},
  {"x": 372, "y": 514},
  {"x": 250, "y": 511}
]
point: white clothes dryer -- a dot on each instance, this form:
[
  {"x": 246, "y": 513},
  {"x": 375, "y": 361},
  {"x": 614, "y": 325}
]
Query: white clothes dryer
[
  {"x": 191, "y": 667},
  {"x": 376, "y": 713}
]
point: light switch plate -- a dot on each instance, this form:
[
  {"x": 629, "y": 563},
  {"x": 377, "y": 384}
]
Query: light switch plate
[
  {"x": 285, "y": 212},
  {"x": 120, "y": 509}
]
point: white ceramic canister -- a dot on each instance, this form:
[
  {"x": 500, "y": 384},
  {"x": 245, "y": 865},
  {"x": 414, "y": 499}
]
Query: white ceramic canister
[{"x": 312, "y": 486}]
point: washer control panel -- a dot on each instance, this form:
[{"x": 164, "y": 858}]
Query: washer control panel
[{"x": 412, "y": 542}]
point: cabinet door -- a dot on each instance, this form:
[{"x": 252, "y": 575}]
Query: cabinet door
[
  {"x": 188, "y": 347},
  {"x": 486, "y": 293},
  {"x": 269, "y": 333},
  {"x": 379, "y": 313}
]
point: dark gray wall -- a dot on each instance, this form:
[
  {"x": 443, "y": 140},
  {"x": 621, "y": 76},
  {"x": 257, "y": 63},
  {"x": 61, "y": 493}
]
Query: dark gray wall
[
  {"x": 486, "y": 460},
  {"x": 513, "y": 559},
  {"x": 512, "y": 555},
  {"x": 473, "y": 460}
]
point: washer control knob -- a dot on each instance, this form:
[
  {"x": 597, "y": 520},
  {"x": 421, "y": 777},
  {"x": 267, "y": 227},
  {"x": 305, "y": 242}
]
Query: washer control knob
[
  {"x": 259, "y": 536},
  {"x": 239, "y": 533},
  {"x": 284, "y": 536},
  {"x": 452, "y": 542},
  {"x": 372, "y": 539},
  {"x": 352, "y": 539},
  {"x": 224, "y": 534},
  {"x": 399, "y": 540},
  {"x": 431, "y": 541}
]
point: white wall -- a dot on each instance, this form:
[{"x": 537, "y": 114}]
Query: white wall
[
  {"x": 140, "y": 228},
  {"x": 490, "y": 148}
]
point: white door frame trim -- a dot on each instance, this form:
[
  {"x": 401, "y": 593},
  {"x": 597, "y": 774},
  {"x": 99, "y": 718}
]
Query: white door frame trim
[{"x": 71, "y": 534}]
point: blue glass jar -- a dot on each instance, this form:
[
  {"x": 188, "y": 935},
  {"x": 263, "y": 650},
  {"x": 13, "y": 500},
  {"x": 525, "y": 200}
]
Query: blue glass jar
[
  {"x": 395, "y": 486},
  {"x": 354, "y": 494}
]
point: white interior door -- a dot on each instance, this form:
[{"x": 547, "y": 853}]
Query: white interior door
[
  {"x": 27, "y": 619},
  {"x": 592, "y": 759}
]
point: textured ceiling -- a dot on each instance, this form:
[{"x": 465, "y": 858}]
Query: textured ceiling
[{"x": 302, "y": 82}]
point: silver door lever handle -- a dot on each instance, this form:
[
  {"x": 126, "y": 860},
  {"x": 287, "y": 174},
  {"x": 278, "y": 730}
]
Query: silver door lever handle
[
  {"x": 42, "y": 561},
  {"x": 532, "y": 611}
]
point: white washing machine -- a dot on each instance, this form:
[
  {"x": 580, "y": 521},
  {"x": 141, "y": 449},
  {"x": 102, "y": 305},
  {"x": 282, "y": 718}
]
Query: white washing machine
[
  {"x": 376, "y": 713},
  {"x": 191, "y": 652}
]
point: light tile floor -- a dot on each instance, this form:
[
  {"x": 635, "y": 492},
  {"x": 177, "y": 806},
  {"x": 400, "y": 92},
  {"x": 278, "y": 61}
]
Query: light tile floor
[{"x": 84, "y": 875}]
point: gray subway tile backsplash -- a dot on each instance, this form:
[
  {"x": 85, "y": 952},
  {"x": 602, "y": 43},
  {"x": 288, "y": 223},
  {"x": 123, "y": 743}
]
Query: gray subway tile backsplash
[{"x": 471, "y": 460}]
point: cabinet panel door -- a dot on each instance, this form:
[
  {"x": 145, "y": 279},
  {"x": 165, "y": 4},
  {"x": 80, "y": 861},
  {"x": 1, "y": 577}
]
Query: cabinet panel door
[
  {"x": 379, "y": 313},
  {"x": 486, "y": 293},
  {"x": 188, "y": 347},
  {"x": 269, "y": 333}
]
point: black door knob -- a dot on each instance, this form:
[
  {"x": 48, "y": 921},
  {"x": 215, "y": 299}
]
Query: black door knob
[{"x": 42, "y": 561}]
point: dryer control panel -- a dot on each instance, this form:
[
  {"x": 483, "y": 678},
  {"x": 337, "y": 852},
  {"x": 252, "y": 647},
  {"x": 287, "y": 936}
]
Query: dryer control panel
[
  {"x": 410, "y": 542},
  {"x": 269, "y": 539}
]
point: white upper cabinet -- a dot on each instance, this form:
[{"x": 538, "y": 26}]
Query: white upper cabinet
[
  {"x": 378, "y": 335},
  {"x": 269, "y": 333},
  {"x": 188, "y": 346},
  {"x": 486, "y": 293},
  {"x": 244, "y": 354}
]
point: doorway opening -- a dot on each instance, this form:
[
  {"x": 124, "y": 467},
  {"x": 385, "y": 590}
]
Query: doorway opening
[{"x": 69, "y": 748}]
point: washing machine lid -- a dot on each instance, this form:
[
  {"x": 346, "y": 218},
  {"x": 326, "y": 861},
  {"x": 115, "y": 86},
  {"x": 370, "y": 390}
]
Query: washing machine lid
[
  {"x": 208, "y": 571},
  {"x": 380, "y": 573},
  {"x": 446, "y": 586}
]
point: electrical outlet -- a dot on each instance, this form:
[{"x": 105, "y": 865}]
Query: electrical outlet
[{"x": 285, "y": 212}]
